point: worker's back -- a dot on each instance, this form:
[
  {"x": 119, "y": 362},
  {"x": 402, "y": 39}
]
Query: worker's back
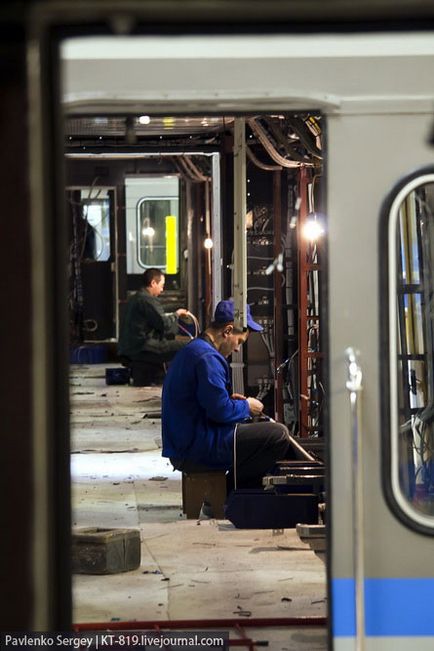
[{"x": 198, "y": 414}]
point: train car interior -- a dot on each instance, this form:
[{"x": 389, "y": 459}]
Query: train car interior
[
  {"x": 161, "y": 189},
  {"x": 152, "y": 190},
  {"x": 122, "y": 179}
]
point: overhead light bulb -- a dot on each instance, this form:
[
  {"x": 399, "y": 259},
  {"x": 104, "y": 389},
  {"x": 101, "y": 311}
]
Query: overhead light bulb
[
  {"x": 208, "y": 243},
  {"x": 144, "y": 119},
  {"x": 312, "y": 230}
]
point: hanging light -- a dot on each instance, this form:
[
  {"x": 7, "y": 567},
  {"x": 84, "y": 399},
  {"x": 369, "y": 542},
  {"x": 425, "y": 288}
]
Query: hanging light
[{"x": 313, "y": 228}]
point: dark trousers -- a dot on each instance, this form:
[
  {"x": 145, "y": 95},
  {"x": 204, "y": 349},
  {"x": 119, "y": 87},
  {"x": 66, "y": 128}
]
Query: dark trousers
[
  {"x": 257, "y": 447},
  {"x": 169, "y": 348}
]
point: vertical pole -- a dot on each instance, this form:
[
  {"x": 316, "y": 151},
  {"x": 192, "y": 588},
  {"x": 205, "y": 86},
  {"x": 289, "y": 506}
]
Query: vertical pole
[
  {"x": 216, "y": 234},
  {"x": 278, "y": 306},
  {"x": 115, "y": 255},
  {"x": 207, "y": 254},
  {"x": 240, "y": 239},
  {"x": 50, "y": 415},
  {"x": 355, "y": 388},
  {"x": 303, "y": 306},
  {"x": 198, "y": 237},
  {"x": 17, "y": 473},
  {"x": 239, "y": 273},
  {"x": 192, "y": 289}
]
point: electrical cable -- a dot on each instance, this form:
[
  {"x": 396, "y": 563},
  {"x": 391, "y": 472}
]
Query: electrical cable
[
  {"x": 196, "y": 325},
  {"x": 185, "y": 331},
  {"x": 188, "y": 172},
  {"x": 304, "y": 133},
  {"x": 196, "y": 171},
  {"x": 235, "y": 456},
  {"x": 195, "y": 321},
  {"x": 282, "y": 140},
  {"x": 264, "y": 140},
  {"x": 260, "y": 164}
]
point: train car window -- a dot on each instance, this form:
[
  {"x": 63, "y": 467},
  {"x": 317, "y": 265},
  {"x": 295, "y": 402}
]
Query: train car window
[
  {"x": 157, "y": 233},
  {"x": 152, "y": 216},
  {"x": 411, "y": 338}
]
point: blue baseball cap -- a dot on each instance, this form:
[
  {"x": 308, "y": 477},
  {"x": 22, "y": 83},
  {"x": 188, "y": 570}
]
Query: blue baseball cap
[{"x": 224, "y": 313}]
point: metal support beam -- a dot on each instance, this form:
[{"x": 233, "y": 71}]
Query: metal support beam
[
  {"x": 303, "y": 306},
  {"x": 278, "y": 303},
  {"x": 239, "y": 273},
  {"x": 216, "y": 234}
]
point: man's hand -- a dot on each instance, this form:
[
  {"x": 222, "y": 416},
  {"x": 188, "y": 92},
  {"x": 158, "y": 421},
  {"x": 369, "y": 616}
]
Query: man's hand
[
  {"x": 181, "y": 312},
  {"x": 256, "y": 407},
  {"x": 238, "y": 396}
]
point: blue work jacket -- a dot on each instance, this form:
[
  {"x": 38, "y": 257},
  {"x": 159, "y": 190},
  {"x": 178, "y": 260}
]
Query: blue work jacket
[{"x": 198, "y": 413}]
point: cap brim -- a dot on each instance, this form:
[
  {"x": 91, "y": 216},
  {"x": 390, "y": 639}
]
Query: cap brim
[{"x": 252, "y": 325}]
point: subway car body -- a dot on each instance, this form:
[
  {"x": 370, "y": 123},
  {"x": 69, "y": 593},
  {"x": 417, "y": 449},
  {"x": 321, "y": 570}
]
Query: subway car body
[{"x": 294, "y": 171}]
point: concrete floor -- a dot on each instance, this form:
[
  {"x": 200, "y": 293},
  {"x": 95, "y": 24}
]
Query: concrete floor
[{"x": 189, "y": 569}]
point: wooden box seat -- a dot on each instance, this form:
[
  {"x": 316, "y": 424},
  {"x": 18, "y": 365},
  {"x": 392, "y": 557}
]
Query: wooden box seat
[{"x": 205, "y": 486}]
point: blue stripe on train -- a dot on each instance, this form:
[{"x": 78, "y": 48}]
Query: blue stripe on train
[
  {"x": 393, "y": 607},
  {"x": 344, "y": 613}
]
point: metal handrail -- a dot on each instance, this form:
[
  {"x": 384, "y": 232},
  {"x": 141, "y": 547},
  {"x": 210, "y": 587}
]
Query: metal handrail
[{"x": 354, "y": 386}]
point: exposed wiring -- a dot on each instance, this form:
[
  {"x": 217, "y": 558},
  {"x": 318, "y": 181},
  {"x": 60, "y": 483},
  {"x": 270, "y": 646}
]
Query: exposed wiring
[
  {"x": 264, "y": 385},
  {"x": 288, "y": 385},
  {"x": 195, "y": 321},
  {"x": 283, "y": 141},
  {"x": 277, "y": 264},
  {"x": 235, "y": 456},
  {"x": 265, "y": 224},
  {"x": 196, "y": 171},
  {"x": 189, "y": 170},
  {"x": 181, "y": 327},
  {"x": 305, "y": 135},
  {"x": 196, "y": 326},
  {"x": 89, "y": 196},
  {"x": 260, "y": 164},
  {"x": 269, "y": 148}
]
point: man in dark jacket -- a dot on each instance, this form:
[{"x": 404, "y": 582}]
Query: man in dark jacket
[
  {"x": 146, "y": 327},
  {"x": 203, "y": 421}
]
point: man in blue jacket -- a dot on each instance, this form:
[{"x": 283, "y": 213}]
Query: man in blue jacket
[{"x": 203, "y": 421}]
